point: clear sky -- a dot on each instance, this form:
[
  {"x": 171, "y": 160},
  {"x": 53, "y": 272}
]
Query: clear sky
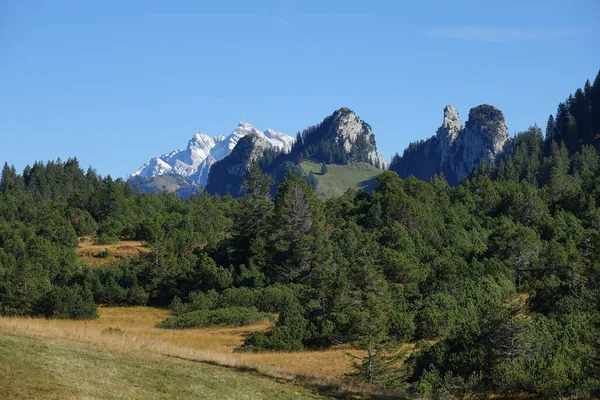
[{"x": 117, "y": 82}]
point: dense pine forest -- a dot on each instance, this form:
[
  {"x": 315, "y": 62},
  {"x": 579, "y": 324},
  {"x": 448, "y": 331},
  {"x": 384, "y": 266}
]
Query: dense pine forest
[{"x": 495, "y": 280}]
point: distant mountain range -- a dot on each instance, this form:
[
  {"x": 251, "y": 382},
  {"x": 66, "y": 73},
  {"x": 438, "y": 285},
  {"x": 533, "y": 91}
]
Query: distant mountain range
[
  {"x": 218, "y": 164},
  {"x": 203, "y": 151}
]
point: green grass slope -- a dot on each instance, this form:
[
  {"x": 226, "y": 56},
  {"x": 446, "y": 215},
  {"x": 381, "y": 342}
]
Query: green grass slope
[
  {"x": 171, "y": 183},
  {"x": 340, "y": 178},
  {"x": 42, "y": 369}
]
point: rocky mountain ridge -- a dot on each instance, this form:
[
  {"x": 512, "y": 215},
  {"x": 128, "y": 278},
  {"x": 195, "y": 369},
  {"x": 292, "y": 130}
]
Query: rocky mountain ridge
[
  {"x": 340, "y": 138},
  {"x": 203, "y": 151},
  {"x": 456, "y": 148},
  {"x": 346, "y": 127}
]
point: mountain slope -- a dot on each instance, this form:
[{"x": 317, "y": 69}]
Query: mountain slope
[
  {"x": 233, "y": 167},
  {"x": 203, "y": 151},
  {"x": 339, "y": 139},
  {"x": 339, "y": 178},
  {"x": 170, "y": 182}
]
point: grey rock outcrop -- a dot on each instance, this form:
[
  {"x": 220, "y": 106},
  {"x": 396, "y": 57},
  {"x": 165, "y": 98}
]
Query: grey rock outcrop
[
  {"x": 226, "y": 175},
  {"x": 347, "y": 128},
  {"x": 456, "y": 150},
  {"x": 448, "y": 132},
  {"x": 483, "y": 139}
]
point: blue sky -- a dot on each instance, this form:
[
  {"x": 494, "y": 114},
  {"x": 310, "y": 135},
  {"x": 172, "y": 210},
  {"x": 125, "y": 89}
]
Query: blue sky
[{"x": 115, "y": 83}]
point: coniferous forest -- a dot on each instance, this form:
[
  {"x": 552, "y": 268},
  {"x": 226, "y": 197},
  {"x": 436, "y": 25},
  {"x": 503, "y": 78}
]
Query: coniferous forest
[{"x": 496, "y": 281}]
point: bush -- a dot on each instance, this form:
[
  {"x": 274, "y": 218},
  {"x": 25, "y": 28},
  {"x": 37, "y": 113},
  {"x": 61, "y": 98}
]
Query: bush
[
  {"x": 256, "y": 341},
  {"x": 239, "y": 297},
  {"x": 83, "y": 222},
  {"x": 287, "y": 335},
  {"x": 273, "y": 298},
  {"x": 70, "y": 302},
  {"x": 103, "y": 254},
  {"x": 197, "y": 301},
  {"x": 233, "y": 316}
]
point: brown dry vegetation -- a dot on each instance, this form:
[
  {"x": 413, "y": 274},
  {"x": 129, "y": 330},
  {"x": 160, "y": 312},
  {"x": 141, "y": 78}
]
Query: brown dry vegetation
[
  {"x": 208, "y": 345},
  {"x": 33, "y": 368},
  {"x": 87, "y": 251}
]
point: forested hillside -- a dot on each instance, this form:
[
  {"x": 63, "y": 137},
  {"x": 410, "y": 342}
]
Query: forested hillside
[{"x": 496, "y": 281}]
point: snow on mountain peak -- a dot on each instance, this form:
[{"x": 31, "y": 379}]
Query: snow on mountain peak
[{"x": 202, "y": 151}]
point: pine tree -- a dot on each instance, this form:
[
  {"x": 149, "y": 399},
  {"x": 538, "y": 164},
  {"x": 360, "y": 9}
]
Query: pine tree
[
  {"x": 372, "y": 301},
  {"x": 250, "y": 219},
  {"x": 550, "y": 129},
  {"x": 10, "y": 180},
  {"x": 298, "y": 238}
]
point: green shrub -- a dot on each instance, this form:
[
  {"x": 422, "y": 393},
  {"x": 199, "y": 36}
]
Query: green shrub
[
  {"x": 233, "y": 316},
  {"x": 197, "y": 301},
  {"x": 83, "y": 222},
  {"x": 256, "y": 341},
  {"x": 103, "y": 254},
  {"x": 287, "y": 335},
  {"x": 273, "y": 298},
  {"x": 239, "y": 297},
  {"x": 70, "y": 302}
]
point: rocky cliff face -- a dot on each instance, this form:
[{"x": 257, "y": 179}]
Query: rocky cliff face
[
  {"x": 448, "y": 132},
  {"x": 226, "y": 175},
  {"x": 456, "y": 149},
  {"x": 355, "y": 134},
  {"x": 483, "y": 139}
]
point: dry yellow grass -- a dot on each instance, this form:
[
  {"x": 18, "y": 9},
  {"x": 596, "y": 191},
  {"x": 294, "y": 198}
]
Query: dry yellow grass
[
  {"x": 37, "y": 368},
  {"x": 321, "y": 370},
  {"x": 207, "y": 344},
  {"x": 87, "y": 251}
]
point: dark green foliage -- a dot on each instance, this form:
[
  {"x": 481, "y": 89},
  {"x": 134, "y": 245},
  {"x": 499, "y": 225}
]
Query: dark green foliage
[
  {"x": 74, "y": 302},
  {"x": 297, "y": 234},
  {"x": 232, "y": 316},
  {"x": 287, "y": 334},
  {"x": 484, "y": 116},
  {"x": 103, "y": 254}
]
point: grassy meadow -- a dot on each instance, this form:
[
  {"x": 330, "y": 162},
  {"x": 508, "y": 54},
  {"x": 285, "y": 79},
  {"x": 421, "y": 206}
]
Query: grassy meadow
[
  {"x": 340, "y": 178},
  {"x": 35, "y": 368},
  {"x": 88, "y": 252},
  {"x": 46, "y": 358}
]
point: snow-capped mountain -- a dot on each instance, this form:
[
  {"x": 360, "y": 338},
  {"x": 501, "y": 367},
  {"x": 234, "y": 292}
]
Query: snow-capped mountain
[{"x": 203, "y": 151}]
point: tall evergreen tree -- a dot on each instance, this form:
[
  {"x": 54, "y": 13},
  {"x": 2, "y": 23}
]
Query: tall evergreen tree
[{"x": 298, "y": 237}]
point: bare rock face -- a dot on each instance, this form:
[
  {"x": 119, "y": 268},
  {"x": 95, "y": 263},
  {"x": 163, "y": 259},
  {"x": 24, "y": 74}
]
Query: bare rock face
[
  {"x": 347, "y": 128},
  {"x": 226, "y": 175},
  {"x": 483, "y": 139},
  {"x": 448, "y": 132},
  {"x": 255, "y": 147}
]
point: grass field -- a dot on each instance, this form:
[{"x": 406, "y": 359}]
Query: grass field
[
  {"x": 340, "y": 178},
  {"x": 46, "y": 369},
  {"x": 87, "y": 252},
  {"x": 73, "y": 342}
]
